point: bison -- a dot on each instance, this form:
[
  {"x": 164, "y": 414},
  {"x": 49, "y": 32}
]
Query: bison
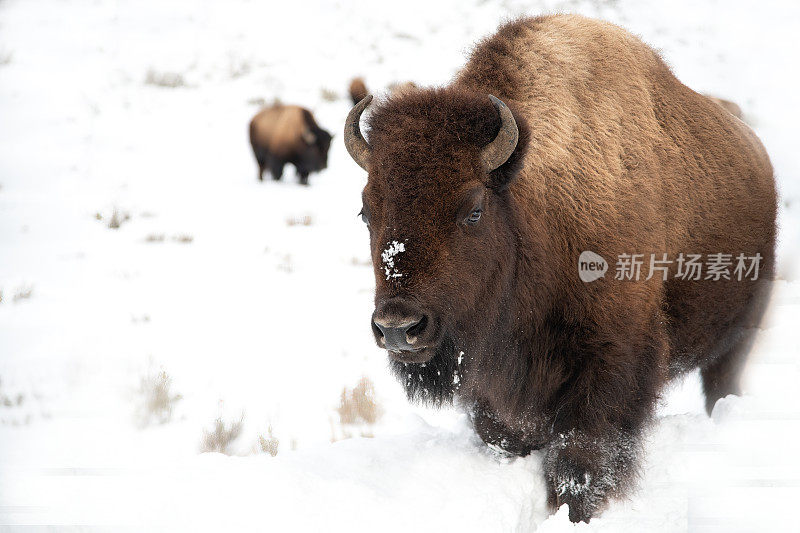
[
  {"x": 398, "y": 88},
  {"x": 283, "y": 134},
  {"x": 561, "y": 137},
  {"x": 357, "y": 90},
  {"x": 731, "y": 107}
]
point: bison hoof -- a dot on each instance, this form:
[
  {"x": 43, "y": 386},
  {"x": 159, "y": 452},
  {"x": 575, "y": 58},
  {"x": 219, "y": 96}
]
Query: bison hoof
[{"x": 574, "y": 486}]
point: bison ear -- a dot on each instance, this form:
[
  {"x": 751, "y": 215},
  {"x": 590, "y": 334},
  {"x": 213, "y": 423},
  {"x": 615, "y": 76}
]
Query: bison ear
[{"x": 501, "y": 177}]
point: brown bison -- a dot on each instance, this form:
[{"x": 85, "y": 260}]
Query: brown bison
[
  {"x": 731, "y": 107},
  {"x": 288, "y": 134},
  {"x": 358, "y": 90},
  {"x": 563, "y": 136},
  {"x": 399, "y": 88}
]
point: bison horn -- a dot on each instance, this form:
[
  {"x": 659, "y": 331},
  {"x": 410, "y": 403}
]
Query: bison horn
[
  {"x": 357, "y": 147},
  {"x": 500, "y": 149}
]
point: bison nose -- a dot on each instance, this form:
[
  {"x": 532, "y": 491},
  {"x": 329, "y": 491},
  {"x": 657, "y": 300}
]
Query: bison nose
[
  {"x": 398, "y": 327},
  {"x": 401, "y": 335}
]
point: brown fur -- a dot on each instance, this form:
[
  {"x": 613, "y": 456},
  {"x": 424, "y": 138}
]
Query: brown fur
[
  {"x": 615, "y": 156},
  {"x": 358, "y": 90},
  {"x": 283, "y": 134}
]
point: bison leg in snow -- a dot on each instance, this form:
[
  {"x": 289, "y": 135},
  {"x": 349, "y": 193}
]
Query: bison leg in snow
[
  {"x": 583, "y": 471},
  {"x": 609, "y": 397},
  {"x": 303, "y": 177},
  {"x": 722, "y": 375},
  {"x": 276, "y": 169},
  {"x": 262, "y": 158}
]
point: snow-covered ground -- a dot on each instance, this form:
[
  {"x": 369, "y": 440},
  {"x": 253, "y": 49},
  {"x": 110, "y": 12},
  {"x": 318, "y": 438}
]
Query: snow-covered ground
[{"x": 254, "y": 298}]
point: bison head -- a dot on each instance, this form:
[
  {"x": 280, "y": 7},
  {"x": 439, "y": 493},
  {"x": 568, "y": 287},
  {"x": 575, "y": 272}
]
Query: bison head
[
  {"x": 441, "y": 223},
  {"x": 318, "y": 142}
]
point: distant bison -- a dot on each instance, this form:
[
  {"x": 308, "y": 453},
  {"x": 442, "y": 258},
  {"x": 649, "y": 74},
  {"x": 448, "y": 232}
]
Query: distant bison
[
  {"x": 358, "y": 90},
  {"x": 731, "y": 107},
  {"x": 288, "y": 134},
  {"x": 564, "y": 144},
  {"x": 398, "y": 88}
]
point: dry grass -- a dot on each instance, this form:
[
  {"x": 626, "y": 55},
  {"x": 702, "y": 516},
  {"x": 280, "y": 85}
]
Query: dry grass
[
  {"x": 22, "y": 293},
  {"x": 257, "y": 101},
  {"x": 10, "y": 414},
  {"x": 269, "y": 443},
  {"x": 328, "y": 95},
  {"x": 16, "y": 401},
  {"x": 156, "y": 399},
  {"x": 303, "y": 220},
  {"x": 182, "y": 238},
  {"x": 164, "y": 79},
  {"x": 359, "y": 405},
  {"x": 116, "y": 219},
  {"x": 222, "y": 435}
]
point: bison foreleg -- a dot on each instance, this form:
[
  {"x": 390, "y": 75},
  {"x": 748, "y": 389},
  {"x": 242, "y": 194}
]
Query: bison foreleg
[
  {"x": 583, "y": 471},
  {"x": 495, "y": 434}
]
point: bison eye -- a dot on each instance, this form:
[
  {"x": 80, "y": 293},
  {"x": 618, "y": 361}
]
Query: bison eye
[
  {"x": 474, "y": 217},
  {"x": 363, "y": 216}
]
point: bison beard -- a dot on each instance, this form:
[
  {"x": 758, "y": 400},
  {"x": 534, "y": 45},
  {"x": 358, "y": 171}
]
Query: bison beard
[
  {"x": 590, "y": 144},
  {"x": 433, "y": 382}
]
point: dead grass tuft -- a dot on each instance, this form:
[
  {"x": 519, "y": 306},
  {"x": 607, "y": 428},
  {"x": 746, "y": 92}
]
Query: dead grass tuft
[
  {"x": 181, "y": 238},
  {"x": 222, "y": 435},
  {"x": 304, "y": 220},
  {"x": 328, "y": 95},
  {"x": 157, "y": 401},
  {"x": 357, "y": 407},
  {"x": 164, "y": 79},
  {"x": 23, "y": 292},
  {"x": 257, "y": 101},
  {"x": 117, "y": 218},
  {"x": 269, "y": 443}
]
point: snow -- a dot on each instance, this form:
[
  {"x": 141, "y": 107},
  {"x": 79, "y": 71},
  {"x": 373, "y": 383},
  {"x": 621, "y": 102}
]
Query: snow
[
  {"x": 393, "y": 249},
  {"x": 141, "y": 108}
]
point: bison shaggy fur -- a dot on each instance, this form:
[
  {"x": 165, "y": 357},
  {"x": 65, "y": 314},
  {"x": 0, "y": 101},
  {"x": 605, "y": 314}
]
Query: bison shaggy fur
[
  {"x": 479, "y": 269},
  {"x": 283, "y": 134}
]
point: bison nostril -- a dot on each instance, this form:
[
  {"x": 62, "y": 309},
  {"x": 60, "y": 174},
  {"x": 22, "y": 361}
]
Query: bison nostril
[
  {"x": 413, "y": 332},
  {"x": 378, "y": 331},
  {"x": 419, "y": 327}
]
